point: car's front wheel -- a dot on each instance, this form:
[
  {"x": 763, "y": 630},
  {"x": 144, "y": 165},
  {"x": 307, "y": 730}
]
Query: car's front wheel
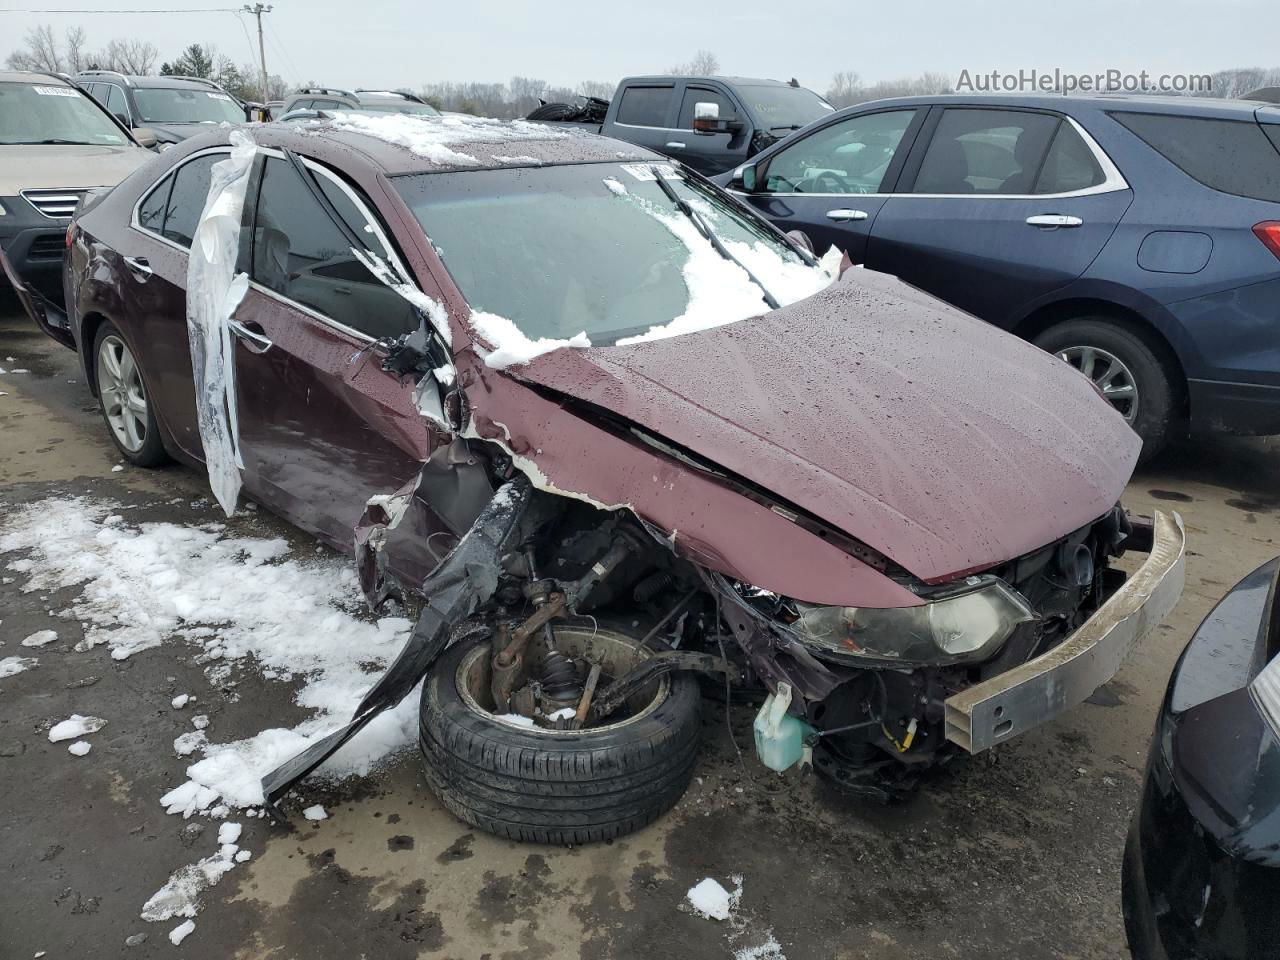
[
  {"x": 122, "y": 397},
  {"x": 1125, "y": 367},
  {"x": 509, "y": 776}
]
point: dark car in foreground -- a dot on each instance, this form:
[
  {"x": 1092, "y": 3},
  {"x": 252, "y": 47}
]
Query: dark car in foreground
[
  {"x": 707, "y": 123},
  {"x": 162, "y": 110},
  {"x": 1202, "y": 863},
  {"x": 569, "y": 392},
  {"x": 1136, "y": 237}
]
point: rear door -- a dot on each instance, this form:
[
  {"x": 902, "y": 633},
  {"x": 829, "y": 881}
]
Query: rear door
[
  {"x": 708, "y": 153},
  {"x": 646, "y": 116},
  {"x": 998, "y": 207},
  {"x": 831, "y": 182},
  {"x": 322, "y": 426},
  {"x": 150, "y": 260}
]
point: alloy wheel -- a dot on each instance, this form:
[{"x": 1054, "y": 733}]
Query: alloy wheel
[
  {"x": 124, "y": 399},
  {"x": 1110, "y": 374}
]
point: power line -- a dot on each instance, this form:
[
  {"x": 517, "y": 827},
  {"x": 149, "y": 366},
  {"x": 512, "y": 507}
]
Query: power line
[{"x": 147, "y": 10}]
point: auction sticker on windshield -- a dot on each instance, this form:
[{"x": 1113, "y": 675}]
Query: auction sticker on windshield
[
  {"x": 56, "y": 91},
  {"x": 217, "y": 96}
]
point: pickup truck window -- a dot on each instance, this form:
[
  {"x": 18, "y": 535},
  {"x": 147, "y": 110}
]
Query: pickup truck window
[
  {"x": 600, "y": 249},
  {"x": 781, "y": 108},
  {"x": 645, "y": 106},
  {"x": 696, "y": 95}
]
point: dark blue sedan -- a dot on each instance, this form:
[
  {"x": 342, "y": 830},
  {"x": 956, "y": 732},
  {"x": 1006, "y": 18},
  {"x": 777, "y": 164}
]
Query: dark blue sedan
[{"x": 1136, "y": 237}]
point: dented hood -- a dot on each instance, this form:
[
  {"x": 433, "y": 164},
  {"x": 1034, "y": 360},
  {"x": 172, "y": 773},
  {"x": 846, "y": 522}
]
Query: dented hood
[{"x": 940, "y": 441}]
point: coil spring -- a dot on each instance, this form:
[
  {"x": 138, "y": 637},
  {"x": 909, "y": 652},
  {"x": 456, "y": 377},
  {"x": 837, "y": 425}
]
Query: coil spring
[{"x": 560, "y": 680}]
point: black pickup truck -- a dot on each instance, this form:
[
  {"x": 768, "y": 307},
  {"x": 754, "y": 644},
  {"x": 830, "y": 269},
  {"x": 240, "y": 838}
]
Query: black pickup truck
[{"x": 710, "y": 123}]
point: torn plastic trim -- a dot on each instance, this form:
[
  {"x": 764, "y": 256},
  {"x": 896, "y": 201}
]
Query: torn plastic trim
[
  {"x": 214, "y": 291},
  {"x": 466, "y": 578}
]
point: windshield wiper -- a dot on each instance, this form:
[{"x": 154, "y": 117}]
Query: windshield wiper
[
  {"x": 705, "y": 229},
  {"x": 51, "y": 141},
  {"x": 787, "y": 126}
]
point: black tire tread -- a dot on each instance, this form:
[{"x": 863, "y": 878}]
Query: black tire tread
[{"x": 544, "y": 788}]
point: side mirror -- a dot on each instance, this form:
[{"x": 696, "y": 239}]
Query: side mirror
[
  {"x": 706, "y": 117},
  {"x": 707, "y": 120},
  {"x": 744, "y": 178},
  {"x": 146, "y": 137},
  {"x": 124, "y": 120}
]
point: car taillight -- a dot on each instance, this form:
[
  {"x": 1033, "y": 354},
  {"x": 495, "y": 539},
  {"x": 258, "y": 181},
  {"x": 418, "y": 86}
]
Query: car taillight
[
  {"x": 71, "y": 232},
  {"x": 1268, "y": 231}
]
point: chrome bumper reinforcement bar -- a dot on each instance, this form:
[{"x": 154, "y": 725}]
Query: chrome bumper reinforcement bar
[{"x": 1039, "y": 690}]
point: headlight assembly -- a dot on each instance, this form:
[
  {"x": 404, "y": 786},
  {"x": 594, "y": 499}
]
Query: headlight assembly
[{"x": 964, "y": 627}]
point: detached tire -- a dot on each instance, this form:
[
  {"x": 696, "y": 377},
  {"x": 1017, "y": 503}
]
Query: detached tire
[
  {"x": 556, "y": 786},
  {"x": 1122, "y": 357}
]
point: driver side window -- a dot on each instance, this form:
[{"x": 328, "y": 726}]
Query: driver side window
[{"x": 851, "y": 156}]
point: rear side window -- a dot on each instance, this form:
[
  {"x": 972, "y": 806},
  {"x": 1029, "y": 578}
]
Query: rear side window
[
  {"x": 116, "y": 103},
  {"x": 1070, "y": 164},
  {"x": 1233, "y": 156},
  {"x": 300, "y": 253},
  {"x": 186, "y": 199},
  {"x": 985, "y": 151},
  {"x": 151, "y": 210},
  {"x": 696, "y": 95},
  {"x": 645, "y": 106}
]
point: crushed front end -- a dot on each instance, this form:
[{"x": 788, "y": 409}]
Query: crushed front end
[{"x": 888, "y": 693}]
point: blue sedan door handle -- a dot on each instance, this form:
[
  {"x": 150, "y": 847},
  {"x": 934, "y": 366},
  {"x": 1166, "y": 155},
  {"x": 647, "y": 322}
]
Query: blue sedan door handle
[
  {"x": 1054, "y": 220},
  {"x": 843, "y": 216}
]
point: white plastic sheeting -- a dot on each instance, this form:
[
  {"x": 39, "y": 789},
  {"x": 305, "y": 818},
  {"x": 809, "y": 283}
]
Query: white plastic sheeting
[{"x": 214, "y": 290}]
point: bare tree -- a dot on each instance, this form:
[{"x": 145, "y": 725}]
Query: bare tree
[
  {"x": 704, "y": 64},
  {"x": 847, "y": 89},
  {"x": 844, "y": 88},
  {"x": 524, "y": 93},
  {"x": 133, "y": 57},
  {"x": 596, "y": 88},
  {"x": 40, "y": 52},
  {"x": 77, "y": 58}
]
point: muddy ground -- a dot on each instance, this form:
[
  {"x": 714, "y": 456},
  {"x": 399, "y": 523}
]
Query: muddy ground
[{"x": 1015, "y": 855}]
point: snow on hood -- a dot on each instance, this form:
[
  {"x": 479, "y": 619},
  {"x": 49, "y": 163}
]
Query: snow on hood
[{"x": 931, "y": 436}]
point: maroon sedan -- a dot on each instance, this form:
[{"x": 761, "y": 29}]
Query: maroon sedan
[{"x": 618, "y": 431}]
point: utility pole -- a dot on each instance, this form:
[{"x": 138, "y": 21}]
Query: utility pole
[{"x": 258, "y": 10}]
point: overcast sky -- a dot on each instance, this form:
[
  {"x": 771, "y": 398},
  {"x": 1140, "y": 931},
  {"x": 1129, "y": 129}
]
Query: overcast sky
[{"x": 389, "y": 43}]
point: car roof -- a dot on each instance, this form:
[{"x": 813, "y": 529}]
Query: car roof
[
  {"x": 31, "y": 76},
  {"x": 1064, "y": 103},
  {"x": 738, "y": 81},
  {"x": 404, "y": 143}
]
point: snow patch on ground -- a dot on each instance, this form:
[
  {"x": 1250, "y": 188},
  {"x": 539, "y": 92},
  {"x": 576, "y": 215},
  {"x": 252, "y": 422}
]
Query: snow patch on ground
[
  {"x": 315, "y": 813},
  {"x": 181, "y": 700},
  {"x": 40, "y": 638},
  {"x": 79, "y": 748},
  {"x": 181, "y": 932},
  {"x": 709, "y": 899},
  {"x": 180, "y": 896},
  {"x": 240, "y": 598},
  {"x": 75, "y": 726},
  {"x": 11, "y": 665}
]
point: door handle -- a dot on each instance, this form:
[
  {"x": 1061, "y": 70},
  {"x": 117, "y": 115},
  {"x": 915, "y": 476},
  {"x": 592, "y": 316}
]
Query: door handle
[
  {"x": 844, "y": 216},
  {"x": 139, "y": 267},
  {"x": 253, "y": 336},
  {"x": 675, "y": 145},
  {"x": 1054, "y": 220}
]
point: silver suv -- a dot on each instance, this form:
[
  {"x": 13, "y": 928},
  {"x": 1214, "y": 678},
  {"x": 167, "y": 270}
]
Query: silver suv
[{"x": 56, "y": 143}]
